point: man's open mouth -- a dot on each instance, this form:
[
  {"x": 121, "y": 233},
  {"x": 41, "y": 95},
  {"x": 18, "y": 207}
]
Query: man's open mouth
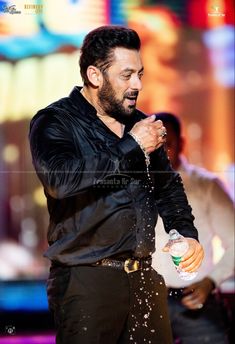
[{"x": 131, "y": 100}]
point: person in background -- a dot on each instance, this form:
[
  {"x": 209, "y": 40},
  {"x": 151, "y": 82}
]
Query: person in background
[
  {"x": 196, "y": 315},
  {"x": 95, "y": 155}
]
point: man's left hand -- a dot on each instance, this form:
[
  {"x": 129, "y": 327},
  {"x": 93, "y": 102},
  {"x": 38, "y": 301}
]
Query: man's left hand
[{"x": 192, "y": 259}]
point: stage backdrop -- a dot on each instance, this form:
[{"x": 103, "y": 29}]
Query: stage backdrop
[{"x": 187, "y": 51}]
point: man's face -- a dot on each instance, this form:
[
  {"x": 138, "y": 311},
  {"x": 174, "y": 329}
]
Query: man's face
[{"x": 121, "y": 84}]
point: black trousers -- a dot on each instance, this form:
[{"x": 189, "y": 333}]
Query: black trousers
[{"x": 103, "y": 305}]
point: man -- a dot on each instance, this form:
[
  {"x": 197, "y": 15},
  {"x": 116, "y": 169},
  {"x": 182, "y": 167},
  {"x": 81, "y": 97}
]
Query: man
[
  {"x": 95, "y": 155},
  {"x": 196, "y": 316}
]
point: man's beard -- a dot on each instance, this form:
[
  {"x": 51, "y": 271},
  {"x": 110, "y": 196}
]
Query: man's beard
[{"x": 114, "y": 107}]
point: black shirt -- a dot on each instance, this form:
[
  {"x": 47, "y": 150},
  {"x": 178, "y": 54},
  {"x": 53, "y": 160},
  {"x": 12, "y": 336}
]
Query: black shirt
[{"x": 100, "y": 198}]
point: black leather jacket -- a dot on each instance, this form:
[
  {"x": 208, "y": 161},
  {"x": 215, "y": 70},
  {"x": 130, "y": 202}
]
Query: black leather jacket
[{"x": 100, "y": 199}]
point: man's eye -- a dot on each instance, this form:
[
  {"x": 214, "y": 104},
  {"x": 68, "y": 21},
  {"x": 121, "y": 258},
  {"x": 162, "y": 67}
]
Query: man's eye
[
  {"x": 141, "y": 75},
  {"x": 126, "y": 76}
]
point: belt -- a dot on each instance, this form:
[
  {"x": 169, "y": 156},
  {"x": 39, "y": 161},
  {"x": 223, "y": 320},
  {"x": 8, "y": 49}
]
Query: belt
[{"x": 128, "y": 265}]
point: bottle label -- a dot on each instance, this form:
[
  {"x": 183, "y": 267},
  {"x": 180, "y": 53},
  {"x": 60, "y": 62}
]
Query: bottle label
[{"x": 176, "y": 260}]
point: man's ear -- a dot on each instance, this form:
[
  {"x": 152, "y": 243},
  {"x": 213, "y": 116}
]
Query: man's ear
[{"x": 94, "y": 76}]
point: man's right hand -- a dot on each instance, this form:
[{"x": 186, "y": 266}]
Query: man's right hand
[{"x": 149, "y": 133}]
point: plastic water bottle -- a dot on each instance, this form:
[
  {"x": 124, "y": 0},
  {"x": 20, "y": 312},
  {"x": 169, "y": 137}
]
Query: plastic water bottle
[{"x": 178, "y": 246}]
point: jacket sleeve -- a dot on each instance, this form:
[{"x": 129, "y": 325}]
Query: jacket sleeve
[
  {"x": 63, "y": 170},
  {"x": 171, "y": 199}
]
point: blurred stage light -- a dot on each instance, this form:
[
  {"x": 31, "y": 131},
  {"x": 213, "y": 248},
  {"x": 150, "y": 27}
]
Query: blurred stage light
[
  {"x": 218, "y": 249},
  {"x": 222, "y": 160},
  {"x": 10, "y": 153},
  {"x": 220, "y": 42},
  {"x": 14, "y": 259},
  {"x": 37, "y": 82},
  {"x": 159, "y": 21},
  {"x": 194, "y": 78},
  {"x": 194, "y": 131},
  {"x": 39, "y": 197},
  {"x": 66, "y": 17},
  {"x": 28, "y": 236},
  {"x": 23, "y": 296},
  {"x": 17, "y": 203}
]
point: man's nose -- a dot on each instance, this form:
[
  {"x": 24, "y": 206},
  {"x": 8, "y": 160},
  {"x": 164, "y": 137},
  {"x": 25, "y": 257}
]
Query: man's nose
[{"x": 136, "y": 83}]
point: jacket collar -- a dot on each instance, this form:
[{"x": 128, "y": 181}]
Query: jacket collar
[
  {"x": 88, "y": 110},
  {"x": 81, "y": 103}
]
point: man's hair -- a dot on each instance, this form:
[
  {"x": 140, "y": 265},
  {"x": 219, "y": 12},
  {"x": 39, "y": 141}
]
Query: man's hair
[
  {"x": 173, "y": 120},
  {"x": 99, "y": 44}
]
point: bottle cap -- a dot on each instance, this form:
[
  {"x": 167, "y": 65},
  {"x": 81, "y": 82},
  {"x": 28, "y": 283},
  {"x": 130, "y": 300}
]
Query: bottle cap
[{"x": 174, "y": 234}]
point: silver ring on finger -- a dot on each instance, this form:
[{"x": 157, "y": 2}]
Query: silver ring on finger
[{"x": 164, "y": 133}]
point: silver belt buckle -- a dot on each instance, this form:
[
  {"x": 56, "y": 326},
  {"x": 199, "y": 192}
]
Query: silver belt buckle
[{"x": 131, "y": 265}]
